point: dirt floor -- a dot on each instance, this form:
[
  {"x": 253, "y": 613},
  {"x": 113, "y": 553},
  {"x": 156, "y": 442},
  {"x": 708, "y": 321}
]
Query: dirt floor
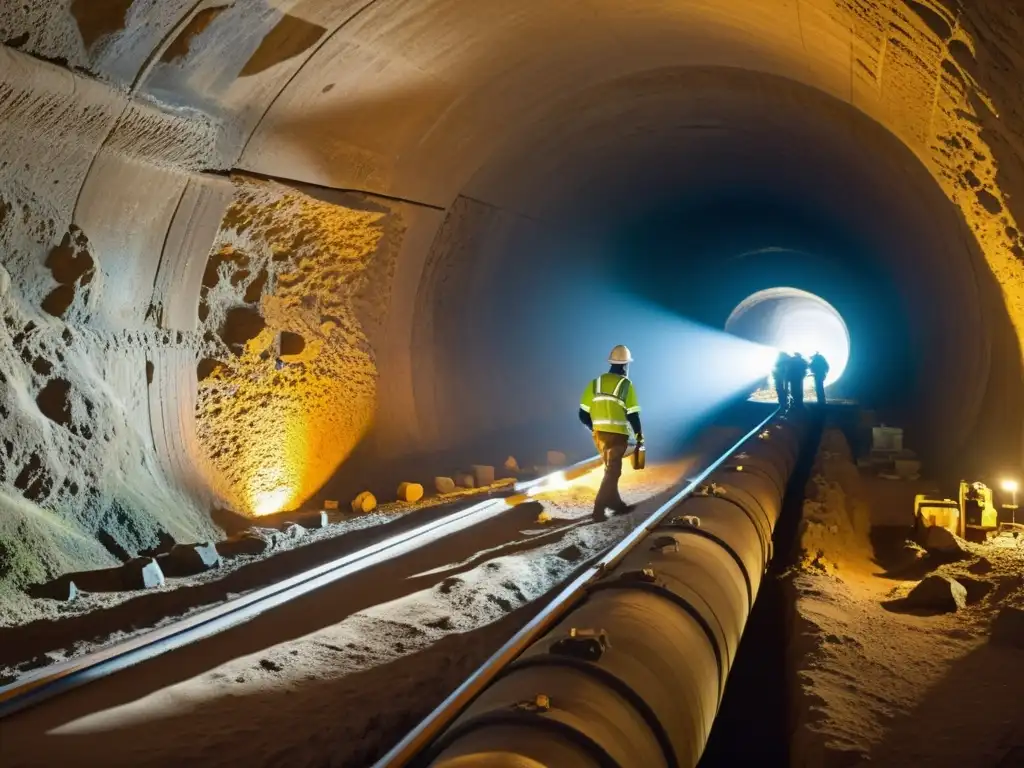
[
  {"x": 878, "y": 682},
  {"x": 348, "y": 671}
]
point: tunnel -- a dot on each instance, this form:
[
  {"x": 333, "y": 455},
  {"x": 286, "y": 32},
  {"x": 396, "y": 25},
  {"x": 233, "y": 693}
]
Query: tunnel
[{"x": 247, "y": 243}]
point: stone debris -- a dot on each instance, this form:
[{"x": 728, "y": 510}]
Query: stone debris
[
  {"x": 557, "y": 459},
  {"x": 249, "y": 543},
  {"x": 483, "y": 475},
  {"x": 464, "y": 480},
  {"x": 364, "y": 502},
  {"x": 293, "y": 531},
  {"x": 937, "y": 593},
  {"x": 511, "y": 465},
  {"x": 444, "y": 484},
  {"x": 544, "y": 517},
  {"x": 142, "y": 573},
  {"x": 410, "y": 492},
  {"x": 939, "y": 541},
  {"x": 1008, "y": 628}
]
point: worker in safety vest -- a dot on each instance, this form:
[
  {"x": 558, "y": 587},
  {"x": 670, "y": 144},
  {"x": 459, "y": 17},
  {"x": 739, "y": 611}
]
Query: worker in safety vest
[
  {"x": 609, "y": 408},
  {"x": 819, "y": 370}
]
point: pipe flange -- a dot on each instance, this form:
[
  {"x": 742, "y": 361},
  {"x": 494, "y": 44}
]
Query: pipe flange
[
  {"x": 711, "y": 489},
  {"x": 685, "y": 521},
  {"x": 586, "y": 644}
]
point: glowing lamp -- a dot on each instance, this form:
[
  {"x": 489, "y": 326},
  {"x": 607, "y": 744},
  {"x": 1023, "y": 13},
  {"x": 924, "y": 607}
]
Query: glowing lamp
[{"x": 1010, "y": 486}]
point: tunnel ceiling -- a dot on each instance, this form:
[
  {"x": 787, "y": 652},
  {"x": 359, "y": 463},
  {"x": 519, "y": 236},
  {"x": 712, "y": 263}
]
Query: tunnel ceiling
[{"x": 210, "y": 211}]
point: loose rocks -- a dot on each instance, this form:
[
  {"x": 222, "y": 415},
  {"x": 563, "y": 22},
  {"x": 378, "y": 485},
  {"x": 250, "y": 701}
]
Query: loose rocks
[
  {"x": 190, "y": 559},
  {"x": 940, "y": 541},
  {"x": 364, "y": 502},
  {"x": 142, "y": 573},
  {"x": 937, "y": 593},
  {"x": 410, "y": 492},
  {"x": 511, "y": 465},
  {"x": 293, "y": 531},
  {"x": 444, "y": 484}
]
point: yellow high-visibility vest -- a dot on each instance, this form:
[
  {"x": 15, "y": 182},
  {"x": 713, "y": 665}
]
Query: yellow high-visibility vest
[{"x": 609, "y": 399}]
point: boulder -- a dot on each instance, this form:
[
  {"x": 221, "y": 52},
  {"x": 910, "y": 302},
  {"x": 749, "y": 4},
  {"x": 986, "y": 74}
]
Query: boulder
[
  {"x": 62, "y": 589},
  {"x": 465, "y": 481},
  {"x": 142, "y": 573},
  {"x": 939, "y": 541},
  {"x": 1008, "y": 628},
  {"x": 364, "y": 502},
  {"x": 190, "y": 559},
  {"x": 483, "y": 474},
  {"x": 410, "y": 492},
  {"x": 293, "y": 531},
  {"x": 511, "y": 465},
  {"x": 444, "y": 484},
  {"x": 937, "y": 593},
  {"x": 249, "y": 543},
  {"x": 556, "y": 459}
]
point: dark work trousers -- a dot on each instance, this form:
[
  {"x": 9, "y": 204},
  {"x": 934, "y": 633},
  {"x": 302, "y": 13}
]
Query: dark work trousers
[
  {"x": 612, "y": 447},
  {"x": 819, "y": 389},
  {"x": 782, "y": 390},
  {"x": 796, "y": 391}
]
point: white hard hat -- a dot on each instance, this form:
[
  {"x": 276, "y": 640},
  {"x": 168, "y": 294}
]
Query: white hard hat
[{"x": 620, "y": 355}]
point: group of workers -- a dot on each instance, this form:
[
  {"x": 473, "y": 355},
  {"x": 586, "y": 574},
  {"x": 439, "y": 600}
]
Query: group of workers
[
  {"x": 610, "y": 409},
  {"x": 791, "y": 372}
]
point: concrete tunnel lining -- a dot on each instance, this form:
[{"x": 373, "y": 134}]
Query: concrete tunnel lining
[{"x": 419, "y": 107}]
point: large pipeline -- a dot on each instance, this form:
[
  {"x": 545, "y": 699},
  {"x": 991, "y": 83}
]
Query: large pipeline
[{"x": 633, "y": 676}]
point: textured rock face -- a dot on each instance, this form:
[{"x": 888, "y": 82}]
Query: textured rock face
[
  {"x": 171, "y": 339},
  {"x": 288, "y": 386}
]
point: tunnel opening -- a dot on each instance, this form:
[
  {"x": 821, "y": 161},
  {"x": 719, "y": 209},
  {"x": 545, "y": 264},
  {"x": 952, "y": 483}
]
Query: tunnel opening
[{"x": 793, "y": 321}]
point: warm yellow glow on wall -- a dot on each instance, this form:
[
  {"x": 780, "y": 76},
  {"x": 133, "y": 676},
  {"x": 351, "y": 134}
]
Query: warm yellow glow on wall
[{"x": 276, "y": 424}]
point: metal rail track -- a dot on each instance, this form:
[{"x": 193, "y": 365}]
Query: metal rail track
[
  {"x": 54, "y": 680},
  {"x": 437, "y": 722}
]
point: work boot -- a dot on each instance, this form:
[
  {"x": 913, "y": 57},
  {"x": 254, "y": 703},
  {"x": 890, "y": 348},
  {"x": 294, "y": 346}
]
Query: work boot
[
  {"x": 623, "y": 508},
  {"x": 599, "y": 515}
]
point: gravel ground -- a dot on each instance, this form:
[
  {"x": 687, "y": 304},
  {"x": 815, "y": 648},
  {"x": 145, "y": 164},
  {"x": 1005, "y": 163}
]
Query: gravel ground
[{"x": 344, "y": 692}]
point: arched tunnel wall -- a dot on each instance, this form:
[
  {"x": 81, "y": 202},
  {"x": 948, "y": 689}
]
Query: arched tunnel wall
[{"x": 153, "y": 267}]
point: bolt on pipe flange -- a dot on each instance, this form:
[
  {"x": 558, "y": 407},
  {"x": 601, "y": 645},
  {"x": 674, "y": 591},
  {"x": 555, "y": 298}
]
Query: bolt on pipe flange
[{"x": 586, "y": 644}]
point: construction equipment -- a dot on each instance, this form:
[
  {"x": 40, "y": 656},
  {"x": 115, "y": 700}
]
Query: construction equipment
[
  {"x": 972, "y": 517},
  {"x": 943, "y": 513}
]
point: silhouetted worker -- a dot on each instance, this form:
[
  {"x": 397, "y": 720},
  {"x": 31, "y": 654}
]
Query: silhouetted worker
[
  {"x": 797, "y": 375},
  {"x": 819, "y": 370},
  {"x": 609, "y": 408},
  {"x": 780, "y": 378}
]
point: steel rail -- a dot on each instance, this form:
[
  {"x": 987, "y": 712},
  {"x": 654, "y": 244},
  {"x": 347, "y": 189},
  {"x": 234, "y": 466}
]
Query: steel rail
[
  {"x": 41, "y": 685},
  {"x": 443, "y": 715}
]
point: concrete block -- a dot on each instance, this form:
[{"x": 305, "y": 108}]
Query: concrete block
[
  {"x": 557, "y": 459},
  {"x": 444, "y": 484},
  {"x": 483, "y": 474},
  {"x": 937, "y": 593},
  {"x": 364, "y": 502},
  {"x": 142, "y": 573},
  {"x": 410, "y": 492},
  {"x": 465, "y": 481},
  {"x": 331, "y": 505}
]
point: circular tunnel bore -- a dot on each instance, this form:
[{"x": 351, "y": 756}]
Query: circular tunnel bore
[{"x": 794, "y": 321}]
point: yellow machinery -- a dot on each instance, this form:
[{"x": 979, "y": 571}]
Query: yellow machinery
[
  {"x": 978, "y": 514},
  {"x": 944, "y": 513}
]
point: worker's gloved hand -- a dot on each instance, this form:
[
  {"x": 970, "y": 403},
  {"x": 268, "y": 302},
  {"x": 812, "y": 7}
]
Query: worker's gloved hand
[{"x": 639, "y": 440}]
